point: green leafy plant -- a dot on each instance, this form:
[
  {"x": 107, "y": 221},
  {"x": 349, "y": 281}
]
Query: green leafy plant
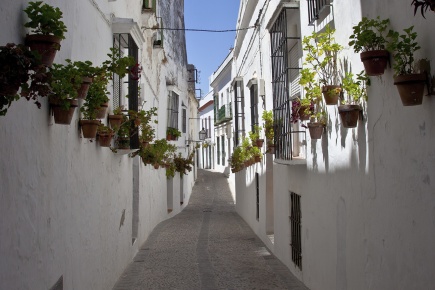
[
  {"x": 118, "y": 110},
  {"x": 268, "y": 126},
  {"x": 18, "y": 65},
  {"x": 143, "y": 120},
  {"x": 105, "y": 130},
  {"x": 97, "y": 95},
  {"x": 45, "y": 19},
  {"x": 321, "y": 52},
  {"x": 355, "y": 89},
  {"x": 117, "y": 64},
  {"x": 183, "y": 165},
  {"x": 403, "y": 47},
  {"x": 237, "y": 159},
  {"x": 369, "y": 34},
  {"x": 173, "y": 132},
  {"x": 64, "y": 83},
  {"x": 255, "y": 134}
]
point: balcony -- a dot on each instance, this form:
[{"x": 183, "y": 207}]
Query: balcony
[{"x": 224, "y": 114}]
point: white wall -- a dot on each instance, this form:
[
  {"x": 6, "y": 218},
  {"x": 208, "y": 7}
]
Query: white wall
[
  {"x": 366, "y": 193},
  {"x": 66, "y": 202}
]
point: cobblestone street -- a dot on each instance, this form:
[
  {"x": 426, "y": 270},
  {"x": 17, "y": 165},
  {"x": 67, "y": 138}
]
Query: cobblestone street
[{"x": 207, "y": 246}]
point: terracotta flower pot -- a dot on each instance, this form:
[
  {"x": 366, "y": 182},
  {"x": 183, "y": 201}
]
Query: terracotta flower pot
[
  {"x": 257, "y": 159},
  {"x": 45, "y": 45},
  {"x": 115, "y": 120},
  {"x": 411, "y": 88},
  {"x": 349, "y": 115},
  {"x": 375, "y": 61},
  {"x": 331, "y": 94},
  {"x": 259, "y": 143},
  {"x": 102, "y": 111},
  {"x": 316, "y": 130},
  {"x": 83, "y": 90},
  {"x": 105, "y": 140},
  {"x": 62, "y": 116},
  {"x": 89, "y": 128},
  {"x": 271, "y": 149}
]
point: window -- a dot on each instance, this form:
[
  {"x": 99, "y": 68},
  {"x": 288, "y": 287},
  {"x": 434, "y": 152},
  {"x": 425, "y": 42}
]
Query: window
[
  {"x": 239, "y": 104},
  {"x": 286, "y": 55},
  {"x": 315, "y": 7},
  {"x": 295, "y": 220},
  {"x": 184, "y": 120},
  {"x": 173, "y": 110},
  {"x": 223, "y": 149},
  {"x": 209, "y": 127},
  {"x": 257, "y": 187},
  {"x": 149, "y": 4},
  {"x": 253, "y": 92},
  {"x": 218, "y": 150},
  {"x": 127, "y": 86}
]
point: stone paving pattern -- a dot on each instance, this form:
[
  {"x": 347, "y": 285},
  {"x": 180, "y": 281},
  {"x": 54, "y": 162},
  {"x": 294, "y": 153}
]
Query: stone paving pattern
[{"x": 206, "y": 246}]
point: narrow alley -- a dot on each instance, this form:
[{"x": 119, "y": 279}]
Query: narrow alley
[{"x": 206, "y": 246}]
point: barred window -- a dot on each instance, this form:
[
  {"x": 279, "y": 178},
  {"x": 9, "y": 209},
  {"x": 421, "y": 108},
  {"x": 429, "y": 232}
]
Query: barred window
[
  {"x": 315, "y": 7},
  {"x": 239, "y": 118},
  {"x": 295, "y": 220},
  {"x": 173, "y": 110},
  {"x": 184, "y": 120},
  {"x": 253, "y": 93}
]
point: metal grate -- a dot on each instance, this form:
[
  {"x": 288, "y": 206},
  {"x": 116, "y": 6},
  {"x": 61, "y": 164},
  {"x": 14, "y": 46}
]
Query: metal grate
[
  {"x": 257, "y": 188},
  {"x": 253, "y": 90},
  {"x": 285, "y": 53},
  {"x": 239, "y": 104},
  {"x": 295, "y": 220},
  {"x": 128, "y": 85},
  {"x": 315, "y": 7}
]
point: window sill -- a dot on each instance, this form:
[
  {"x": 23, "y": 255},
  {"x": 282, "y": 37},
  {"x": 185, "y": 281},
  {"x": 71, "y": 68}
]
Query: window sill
[{"x": 295, "y": 161}]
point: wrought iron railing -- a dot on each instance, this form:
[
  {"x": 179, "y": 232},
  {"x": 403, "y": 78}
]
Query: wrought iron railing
[{"x": 224, "y": 114}]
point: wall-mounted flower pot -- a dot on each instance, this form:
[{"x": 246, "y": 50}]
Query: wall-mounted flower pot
[
  {"x": 62, "y": 116},
  {"x": 316, "y": 129},
  {"x": 105, "y": 140},
  {"x": 349, "y": 115},
  {"x": 411, "y": 88},
  {"x": 271, "y": 149},
  {"x": 259, "y": 143},
  {"x": 45, "y": 45},
  {"x": 144, "y": 144},
  {"x": 83, "y": 90},
  {"x": 303, "y": 116},
  {"x": 257, "y": 159},
  {"x": 375, "y": 61},
  {"x": 115, "y": 120},
  {"x": 89, "y": 128},
  {"x": 102, "y": 111},
  {"x": 331, "y": 94}
]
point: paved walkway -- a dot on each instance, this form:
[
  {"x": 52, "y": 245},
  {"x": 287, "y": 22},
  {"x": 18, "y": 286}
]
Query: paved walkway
[{"x": 206, "y": 246}]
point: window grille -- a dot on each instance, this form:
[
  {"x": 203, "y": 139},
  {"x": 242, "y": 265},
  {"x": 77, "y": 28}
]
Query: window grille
[
  {"x": 285, "y": 53},
  {"x": 184, "y": 120},
  {"x": 223, "y": 149},
  {"x": 253, "y": 91},
  {"x": 295, "y": 220},
  {"x": 239, "y": 104},
  {"x": 257, "y": 187},
  {"x": 173, "y": 110},
  {"x": 315, "y": 7},
  {"x": 129, "y": 85},
  {"x": 218, "y": 150}
]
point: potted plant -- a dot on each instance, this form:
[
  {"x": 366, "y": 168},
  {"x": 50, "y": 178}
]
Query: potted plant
[
  {"x": 123, "y": 134},
  {"x": 256, "y": 153},
  {"x": 115, "y": 119},
  {"x": 321, "y": 52},
  {"x": 355, "y": 91},
  {"x": 172, "y": 134},
  {"x": 410, "y": 84},
  {"x": 269, "y": 130},
  {"x": 87, "y": 71},
  {"x": 246, "y": 151},
  {"x": 369, "y": 38},
  {"x": 143, "y": 120},
  {"x": 105, "y": 135},
  {"x": 423, "y": 5},
  {"x": 255, "y": 136},
  {"x": 303, "y": 108},
  {"x": 318, "y": 121},
  {"x": 64, "y": 83},
  {"x": 48, "y": 30},
  {"x": 236, "y": 160},
  {"x": 16, "y": 66}
]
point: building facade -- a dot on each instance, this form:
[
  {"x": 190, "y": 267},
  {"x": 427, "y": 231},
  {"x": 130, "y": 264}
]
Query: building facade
[
  {"x": 354, "y": 209},
  {"x": 75, "y": 213}
]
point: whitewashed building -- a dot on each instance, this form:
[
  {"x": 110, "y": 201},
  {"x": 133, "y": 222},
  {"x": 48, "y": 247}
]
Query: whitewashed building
[
  {"x": 354, "y": 209},
  {"x": 75, "y": 214},
  {"x": 206, "y": 116}
]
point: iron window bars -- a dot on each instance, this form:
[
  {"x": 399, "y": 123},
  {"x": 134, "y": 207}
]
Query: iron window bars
[
  {"x": 295, "y": 220},
  {"x": 124, "y": 43},
  {"x": 315, "y": 7},
  {"x": 283, "y": 79}
]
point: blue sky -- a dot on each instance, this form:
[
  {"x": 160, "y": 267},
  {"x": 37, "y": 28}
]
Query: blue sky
[{"x": 207, "y": 50}]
